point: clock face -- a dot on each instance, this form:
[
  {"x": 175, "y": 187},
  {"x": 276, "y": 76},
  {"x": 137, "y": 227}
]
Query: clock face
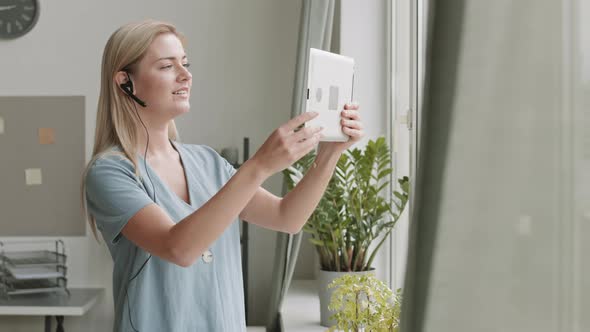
[{"x": 17, "y": 17}]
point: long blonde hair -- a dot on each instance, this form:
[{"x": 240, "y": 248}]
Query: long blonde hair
[{"x": 116, "y": 121}]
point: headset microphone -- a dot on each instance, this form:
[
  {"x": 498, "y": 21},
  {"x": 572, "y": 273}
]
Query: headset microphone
[{"x": 128, "y": 88}]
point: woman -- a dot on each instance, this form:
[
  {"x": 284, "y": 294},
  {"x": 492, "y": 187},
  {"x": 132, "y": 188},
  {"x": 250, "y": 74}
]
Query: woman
[{"x": 171, "y": 225}]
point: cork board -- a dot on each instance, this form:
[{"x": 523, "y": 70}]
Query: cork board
[{"x": 41, "y": 164}]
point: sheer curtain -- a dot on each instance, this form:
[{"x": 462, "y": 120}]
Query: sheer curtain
[
  {"x": 501, "y": 199},
  {"x": 316, "y": 28}
]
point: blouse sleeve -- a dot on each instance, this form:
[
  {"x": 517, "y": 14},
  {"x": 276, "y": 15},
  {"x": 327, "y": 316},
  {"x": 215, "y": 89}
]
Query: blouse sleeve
[{"x": 114, "y": 195}]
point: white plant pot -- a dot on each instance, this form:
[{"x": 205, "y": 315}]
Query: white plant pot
[{"x": 324, "y": 279}]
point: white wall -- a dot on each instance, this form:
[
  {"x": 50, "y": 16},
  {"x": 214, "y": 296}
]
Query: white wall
[
  {"x": 364, "y": 36},
  {"x": 243, "y": 57}
]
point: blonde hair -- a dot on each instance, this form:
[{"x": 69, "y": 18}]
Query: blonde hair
[{"x": 116, "y": 120}]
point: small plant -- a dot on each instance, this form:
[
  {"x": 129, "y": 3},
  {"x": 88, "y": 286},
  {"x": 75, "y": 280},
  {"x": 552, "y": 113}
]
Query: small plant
[{"x": 364, "y": 303}]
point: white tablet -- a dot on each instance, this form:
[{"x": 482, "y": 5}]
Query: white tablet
[{"x": 330, "y": 79}]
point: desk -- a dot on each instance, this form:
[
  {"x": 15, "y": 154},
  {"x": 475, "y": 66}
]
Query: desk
[{"x": 51, "y": 304}]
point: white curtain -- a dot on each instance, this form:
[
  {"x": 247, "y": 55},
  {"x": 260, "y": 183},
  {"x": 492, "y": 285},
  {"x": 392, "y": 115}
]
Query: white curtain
[
  {"x": 315, "y": 30},
  {"x": 501, "y": 209}
]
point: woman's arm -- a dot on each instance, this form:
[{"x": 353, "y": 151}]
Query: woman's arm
[
  {"x": 184, "y": 242},
  {"x": 290, "y": 213}
]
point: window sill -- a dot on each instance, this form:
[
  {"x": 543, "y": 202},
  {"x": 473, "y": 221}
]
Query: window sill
[{"x": 301, "y": 308}]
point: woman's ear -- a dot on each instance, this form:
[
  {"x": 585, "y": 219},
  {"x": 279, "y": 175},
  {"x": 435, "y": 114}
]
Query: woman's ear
[{"x": 120, "y": 78}]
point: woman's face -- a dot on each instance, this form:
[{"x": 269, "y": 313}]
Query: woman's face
[{"x": 162, "y": 78}]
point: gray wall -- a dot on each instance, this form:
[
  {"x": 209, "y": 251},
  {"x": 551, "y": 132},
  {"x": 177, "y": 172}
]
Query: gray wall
[{"x": 243, "y": 57}]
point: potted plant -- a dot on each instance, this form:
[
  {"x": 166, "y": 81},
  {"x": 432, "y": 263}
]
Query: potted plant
[
  {"x": 354, "y": 217},
  {"x": 364, "y": 303}
]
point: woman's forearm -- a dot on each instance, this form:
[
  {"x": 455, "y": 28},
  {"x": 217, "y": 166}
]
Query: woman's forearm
[
  {"x": 298, "y": 205},
  {"x": 195, "y": 233}
]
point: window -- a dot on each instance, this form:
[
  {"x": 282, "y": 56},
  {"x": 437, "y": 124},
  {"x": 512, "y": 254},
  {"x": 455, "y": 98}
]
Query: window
[{"x": 407, "y": 33}]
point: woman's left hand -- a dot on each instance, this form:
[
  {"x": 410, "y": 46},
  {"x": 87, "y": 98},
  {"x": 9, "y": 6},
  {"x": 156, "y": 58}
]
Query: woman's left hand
[{"x": 351, "y": 126}]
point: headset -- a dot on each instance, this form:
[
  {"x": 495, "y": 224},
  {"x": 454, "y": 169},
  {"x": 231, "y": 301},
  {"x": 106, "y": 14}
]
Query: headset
[{"x": 128, "y": 89}]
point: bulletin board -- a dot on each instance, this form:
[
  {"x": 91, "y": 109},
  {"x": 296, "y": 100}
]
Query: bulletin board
[{"x": 41, "y": 164}]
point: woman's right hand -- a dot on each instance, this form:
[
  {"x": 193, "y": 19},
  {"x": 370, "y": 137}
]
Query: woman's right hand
[{"x": 285, "y": 145}]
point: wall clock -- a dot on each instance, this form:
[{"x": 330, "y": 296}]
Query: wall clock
[{"x": 17, "y": 17}]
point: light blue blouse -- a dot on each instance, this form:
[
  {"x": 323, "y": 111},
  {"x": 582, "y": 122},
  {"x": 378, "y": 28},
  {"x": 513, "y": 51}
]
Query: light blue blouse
[{"x": 165, "y": 296}]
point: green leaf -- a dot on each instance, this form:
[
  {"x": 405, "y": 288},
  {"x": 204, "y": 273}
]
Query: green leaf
[
  {"x": 317, "y": 242},
  {"x": 353, "y": 211}
]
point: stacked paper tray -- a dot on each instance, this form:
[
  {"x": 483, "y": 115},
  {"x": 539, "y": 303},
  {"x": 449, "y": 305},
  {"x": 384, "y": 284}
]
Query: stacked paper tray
[
  {"x": 34, "y": 258},
  {"x": 12, "y": 286},
  {"x": 33, "y": 271}
]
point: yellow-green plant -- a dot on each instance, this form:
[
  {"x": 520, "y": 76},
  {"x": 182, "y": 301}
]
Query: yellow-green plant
[
  {"x": 364, "y": 302},
  {"x": 354, "y": 211}
]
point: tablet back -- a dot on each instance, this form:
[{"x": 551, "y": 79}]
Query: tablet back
[{"x": 329, "y": 87}]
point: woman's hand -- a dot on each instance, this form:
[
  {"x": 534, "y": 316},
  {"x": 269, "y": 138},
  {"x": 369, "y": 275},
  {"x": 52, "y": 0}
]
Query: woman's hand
[
  {"x": 351, "y": 126},
  {"x": 285, "y": 145}
]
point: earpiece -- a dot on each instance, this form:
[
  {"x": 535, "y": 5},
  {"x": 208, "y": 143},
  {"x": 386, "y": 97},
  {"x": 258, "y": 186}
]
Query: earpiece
[{"x": 128, "y": 89}]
